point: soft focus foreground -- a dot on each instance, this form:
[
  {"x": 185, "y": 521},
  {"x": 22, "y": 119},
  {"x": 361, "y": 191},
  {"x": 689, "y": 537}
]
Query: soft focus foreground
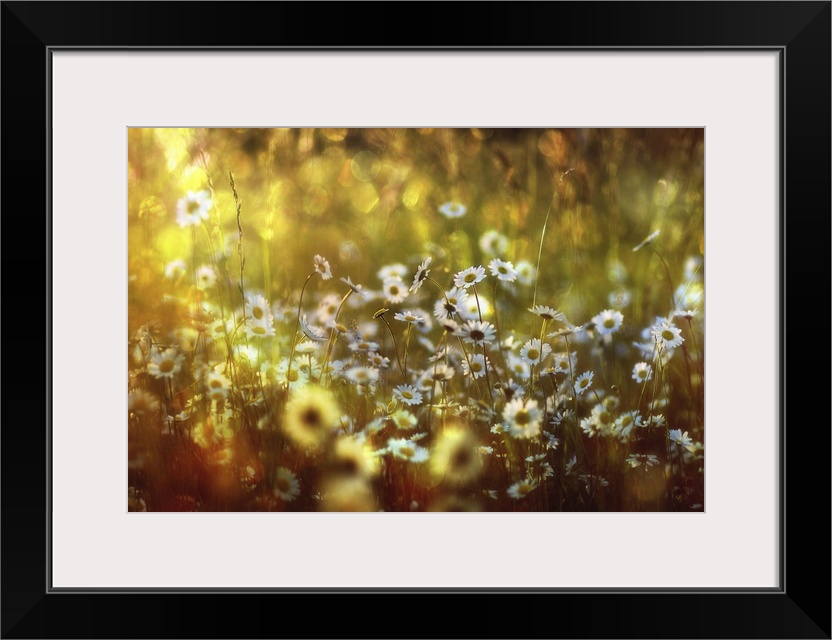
[{"x": 416, "y": 320}]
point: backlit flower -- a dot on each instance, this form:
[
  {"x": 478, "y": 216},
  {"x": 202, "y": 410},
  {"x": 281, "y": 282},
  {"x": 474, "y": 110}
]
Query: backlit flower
[
  {"x": 469, "y": 277},
  {"x": 502, "y": 270},
  {"x": 322, "y": 267},
  {"x": 522, "y": 419},
  {"x": 608, "y": 321},
  {"x": 193, "y": 208},
  {"x": 395, "y": 290},
  {"x": 534, "y": 352},
  {"x": 165, "y": 364},
  {"x": 422, "y": 272}
]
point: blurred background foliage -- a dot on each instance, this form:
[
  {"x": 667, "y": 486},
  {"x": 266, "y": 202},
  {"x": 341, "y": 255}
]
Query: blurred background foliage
[{"x": 369, "y": 197}]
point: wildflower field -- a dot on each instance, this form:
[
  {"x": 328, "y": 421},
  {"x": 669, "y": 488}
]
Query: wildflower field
[{"x": 416, "y": 320}]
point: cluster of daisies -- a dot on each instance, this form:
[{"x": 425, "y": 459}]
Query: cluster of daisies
[{"x": 406, "y": 393}]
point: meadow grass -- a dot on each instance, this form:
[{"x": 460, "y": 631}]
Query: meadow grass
[{"x": 416, "y": 320}]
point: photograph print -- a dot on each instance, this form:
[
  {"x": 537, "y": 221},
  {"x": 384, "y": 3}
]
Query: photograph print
[{"x": 415, "y": 320}]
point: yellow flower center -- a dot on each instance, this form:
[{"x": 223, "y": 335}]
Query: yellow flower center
[
  {"x": 470, "y": 277},
  {"x": 522, "y": 417},
  {"x": 609, "y": 323},
  {"x": 476, "y": 366},
  {"x": 407, "y": 395},
  {"x": 584, "y": 383},
  {"x": 668, "y": 335},
  {"x": 257, "y": 312},
  {"x": 407, "y": 451},
  {"x": 534, "y": 354},
  {"x": 166, "y": 366}
]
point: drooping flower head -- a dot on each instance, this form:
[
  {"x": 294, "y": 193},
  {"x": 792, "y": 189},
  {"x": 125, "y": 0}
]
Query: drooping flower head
[{"x": 421, "y": 274}]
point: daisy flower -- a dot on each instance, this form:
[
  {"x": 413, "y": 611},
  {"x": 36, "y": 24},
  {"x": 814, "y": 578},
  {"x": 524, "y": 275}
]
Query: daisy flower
[
  {"x": 165, "y": 364},
  {"x": 534, "y": 352},
  {"x": 625, "y": 423},
  {"x": 502, "y": 270},
  {"x": 548, "y": 313},
  {"x": 322, "y": 266},
  {"x": 667, "y": 335},
  {"x": 193, "y": 208},
  {"x": 439, "y": 372},
  {"x": 583, "y": 382},
  {"x": 405, "y": 420},
  {"x": 477, "y": 368},
  {"x": 526, "y": 272},
  {"x": 493, "y": 243},
  {"x": 360, "y": 345},
  {"x": 296, "y": 378},
  {"x": 311, "y": 414},
  {"x": 522, "y": 419},
  {"x": 552, "y": 441},
  {"x": 206, "y": 277},
  {"x": 422, "y": 272},
  {"x": 378, "y": 360},
  {"x": 257, "y": 307},
  {"x": 259, "y": 328},
  {"x": 408, "y": 394},
  {"x": 681, "y": 439},
  {"x": 560, "y": 416},
  {"x": 453, "y": 209},
  {"x": 312, "y": 332},
  {"x": 451, "y": 326},
  {"x": 407, "y": 450},
  {"x": 218, "y": 386},
  {"x": 396, "y": 270},
  {"x": 469, "y": 277},
  {"x": 449, "y": 304},
  {"x": 636, "y": 460},
  {"x": 608, "y": 321},
  {"x": 286, "y": 485},
  {"x": 687, "y": 314},
  {"x": 395, "y": 290},
  {"x": 356, "y": 288},
  {"x": 478, "y": 332},
  {"x": 411, "y": 317},
  {"x": 470, "y": 310},
  {"x": 327, "y": 308},
  {"x": 522, "y": 488},
  {"x": 565, "y": 362},
  {"x": 362, "y": 375},
  {"x": 175, "y": 269},
  {"x": 642, "y": 372}
]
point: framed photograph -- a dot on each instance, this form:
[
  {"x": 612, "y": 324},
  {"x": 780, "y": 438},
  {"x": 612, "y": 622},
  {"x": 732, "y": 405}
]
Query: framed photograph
[{"x": 498, "y": 313}]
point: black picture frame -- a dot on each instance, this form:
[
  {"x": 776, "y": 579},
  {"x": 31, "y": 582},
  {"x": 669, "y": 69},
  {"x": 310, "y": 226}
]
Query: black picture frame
[{"x": 799, "y": 608}]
